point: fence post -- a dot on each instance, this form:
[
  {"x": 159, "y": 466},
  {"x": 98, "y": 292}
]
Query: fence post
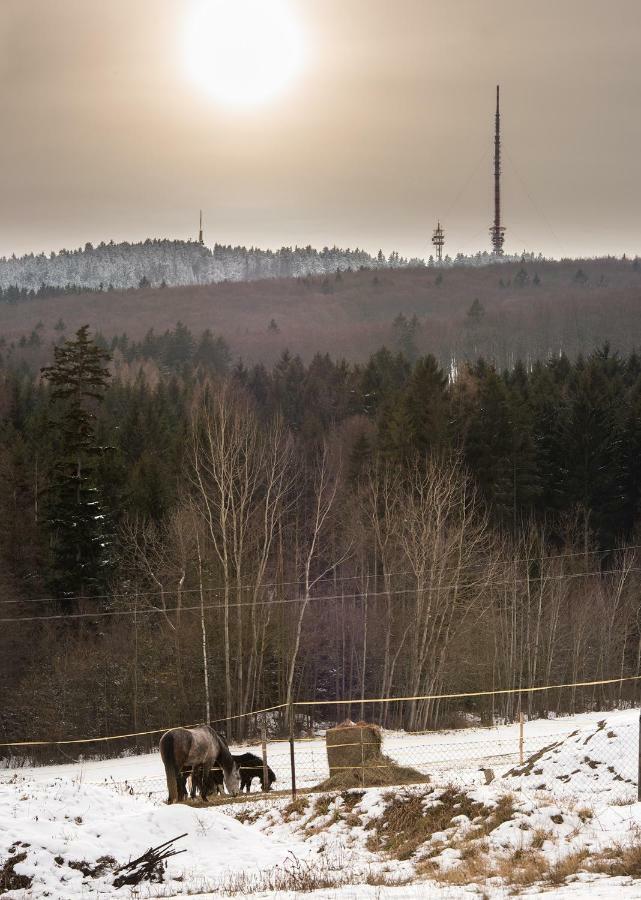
[
  {"x": 362, "y": 760},
  {"x": 291, "y": 750},
  {"x": 263, "y": 741},
  {"x": 639, "y": 765},
  {"x": 521, "y": 757}
]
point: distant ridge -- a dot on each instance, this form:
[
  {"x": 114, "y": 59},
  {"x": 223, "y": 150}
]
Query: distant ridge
[{"x": 175, "y": 263}]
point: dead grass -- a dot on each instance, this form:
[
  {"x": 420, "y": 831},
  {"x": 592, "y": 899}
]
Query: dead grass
[
  {"x": 539, "y": 837},
  {"x": 301, "y": 877},
  {"x": 407, "y": 823},
  {"x": 296, "y": 808},
  {"x": 569, "y": 865},
  {"x": 619, "y": 860}
]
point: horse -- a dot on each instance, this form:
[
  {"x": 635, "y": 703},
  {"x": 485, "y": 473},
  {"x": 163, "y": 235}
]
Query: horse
[
  {"x": 201, "y": 748},
  {"x": 249, "y": 765}
]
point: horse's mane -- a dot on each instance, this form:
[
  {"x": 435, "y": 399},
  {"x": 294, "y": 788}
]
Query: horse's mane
[{"x": 224, "y": 755}]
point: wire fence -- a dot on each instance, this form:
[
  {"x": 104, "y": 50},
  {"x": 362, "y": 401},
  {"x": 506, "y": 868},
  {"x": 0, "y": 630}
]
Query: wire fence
[{"x": 582, "y": 754}]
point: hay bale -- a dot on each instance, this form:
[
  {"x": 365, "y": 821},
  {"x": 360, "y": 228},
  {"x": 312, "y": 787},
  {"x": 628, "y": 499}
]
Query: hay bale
[{"x": 351, "y": 744}]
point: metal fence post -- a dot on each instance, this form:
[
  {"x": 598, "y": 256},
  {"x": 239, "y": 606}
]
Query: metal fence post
[
  {"x": 639, "y": 763},
  {"x": 263, "y": 741},
  {"x": 291, "y": 750},
  {"x": 521, "y": 742}
]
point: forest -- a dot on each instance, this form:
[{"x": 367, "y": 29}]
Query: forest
[
  {"x": 505, "y": 312},
  {"x": 186, "y": 537}
]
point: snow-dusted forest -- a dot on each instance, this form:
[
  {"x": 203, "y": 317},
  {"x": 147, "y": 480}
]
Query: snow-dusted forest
[{"x": 173, "y": 263}]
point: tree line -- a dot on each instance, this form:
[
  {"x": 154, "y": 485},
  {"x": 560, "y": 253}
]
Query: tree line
[{"x": 201, "y": 540}]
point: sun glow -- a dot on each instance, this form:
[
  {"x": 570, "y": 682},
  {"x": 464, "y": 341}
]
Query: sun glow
[{"x": 244, "y": 51}]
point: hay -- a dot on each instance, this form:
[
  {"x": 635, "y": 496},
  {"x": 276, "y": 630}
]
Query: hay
[
  {"x": 352, "y": 744},
  {"x": 355, "y": 757},
  {"x": 382, "y": 773}
]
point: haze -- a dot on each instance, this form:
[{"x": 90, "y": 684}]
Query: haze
[{"x": 387, "y": 128}]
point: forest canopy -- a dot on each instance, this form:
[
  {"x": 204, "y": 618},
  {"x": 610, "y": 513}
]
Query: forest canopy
[{"x": 324, "y": 530}]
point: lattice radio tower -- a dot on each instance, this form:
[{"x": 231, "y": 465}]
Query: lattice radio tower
[
  {"x": 497, "y": 231},
  {"x": 438, "y": 239},
  {"x": 201, "y": 239}
]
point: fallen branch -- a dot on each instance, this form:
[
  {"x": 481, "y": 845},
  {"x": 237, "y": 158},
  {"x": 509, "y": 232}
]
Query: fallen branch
[{"x": 149, "y": 866}]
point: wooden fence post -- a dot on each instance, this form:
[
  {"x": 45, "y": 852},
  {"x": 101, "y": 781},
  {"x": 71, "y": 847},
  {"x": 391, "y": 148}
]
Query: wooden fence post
[
  {"x": 263, "y": 741},
  {"x": 291, "y": 750}
]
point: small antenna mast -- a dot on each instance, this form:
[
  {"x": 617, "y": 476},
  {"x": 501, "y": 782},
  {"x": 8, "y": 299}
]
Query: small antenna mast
[{"x": 438, "y": 239}]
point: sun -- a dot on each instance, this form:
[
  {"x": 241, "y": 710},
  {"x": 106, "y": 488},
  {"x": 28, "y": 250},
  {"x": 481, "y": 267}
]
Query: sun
[{"x": 243, "y": 51}]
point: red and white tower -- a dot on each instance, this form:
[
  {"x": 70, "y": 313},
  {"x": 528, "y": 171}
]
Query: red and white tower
[{"x": 497, "y": 231}]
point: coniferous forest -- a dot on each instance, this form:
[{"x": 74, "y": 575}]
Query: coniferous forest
[{"x": 187, "y": 533}]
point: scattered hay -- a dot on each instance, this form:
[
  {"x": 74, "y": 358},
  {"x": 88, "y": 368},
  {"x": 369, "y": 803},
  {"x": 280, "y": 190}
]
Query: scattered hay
[{"x": 385, "y": 772}]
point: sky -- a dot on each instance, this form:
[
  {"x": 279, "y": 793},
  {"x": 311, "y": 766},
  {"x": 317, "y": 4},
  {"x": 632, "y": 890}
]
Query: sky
[{"x": 386, "y": 126}]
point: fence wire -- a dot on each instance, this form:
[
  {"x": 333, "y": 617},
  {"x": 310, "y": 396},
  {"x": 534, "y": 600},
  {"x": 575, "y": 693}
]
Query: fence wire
[{"x": 552, "y": 748}]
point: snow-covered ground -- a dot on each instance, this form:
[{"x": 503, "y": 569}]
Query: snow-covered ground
[{"x": 576, "y": 791}]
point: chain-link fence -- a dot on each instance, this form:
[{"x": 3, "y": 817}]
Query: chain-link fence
[{"x": 582, "y": 754}]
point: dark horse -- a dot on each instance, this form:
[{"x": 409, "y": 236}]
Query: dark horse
[
  {"x": 249, "y": 765},
  {"x": 197, "y": 748}
]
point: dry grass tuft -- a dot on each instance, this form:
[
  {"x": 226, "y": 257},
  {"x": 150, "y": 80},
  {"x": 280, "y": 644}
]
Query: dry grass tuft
[
  {"x": 619, "y": 860},
  {"x": 296, "y": 808},
  {"x": 539, "y": 837},
  {"x": 563, "y": 868}
]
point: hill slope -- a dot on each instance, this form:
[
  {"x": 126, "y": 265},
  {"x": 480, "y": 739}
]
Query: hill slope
[{"x": 525, "y": 311}]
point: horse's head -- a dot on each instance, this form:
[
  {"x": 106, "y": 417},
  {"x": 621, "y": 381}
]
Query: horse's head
[{"x": 232, "y": 779}]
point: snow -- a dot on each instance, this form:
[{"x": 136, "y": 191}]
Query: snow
[
  {"x": 61, "y": 821},
  {"x": 577, "y": 786}
]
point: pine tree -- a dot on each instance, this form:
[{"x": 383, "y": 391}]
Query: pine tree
[{"x": 76, "y": 518}]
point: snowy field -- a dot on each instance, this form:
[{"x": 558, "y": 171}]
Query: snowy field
[{"x": 75, "y": 822}]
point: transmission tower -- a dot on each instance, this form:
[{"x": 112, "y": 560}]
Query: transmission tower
[
  {"x": 497, "y": 231},
  {"x": 438, "y": 239},
  {"x": 201, "y": 240}
]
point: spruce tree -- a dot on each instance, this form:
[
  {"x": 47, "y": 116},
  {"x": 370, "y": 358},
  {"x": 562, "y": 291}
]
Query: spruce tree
[{"x": 76, "y": 517}]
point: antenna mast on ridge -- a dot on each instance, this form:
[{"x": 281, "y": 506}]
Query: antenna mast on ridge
[
  {"x": 438, "y": 239},
  {"x": 497, "y": 231},
  {"x": 200, "y": 230}
]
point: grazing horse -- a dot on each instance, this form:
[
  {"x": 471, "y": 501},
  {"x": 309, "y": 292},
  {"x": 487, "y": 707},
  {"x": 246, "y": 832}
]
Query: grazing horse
[
  {"x": 199, "y": 748},
  {"x": 249, "y": 765}
]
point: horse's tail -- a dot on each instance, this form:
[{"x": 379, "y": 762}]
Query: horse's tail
[{"x": 172, "y": 772}]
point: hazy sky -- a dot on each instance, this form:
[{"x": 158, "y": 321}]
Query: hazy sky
[{"x": 387, "y": 128}]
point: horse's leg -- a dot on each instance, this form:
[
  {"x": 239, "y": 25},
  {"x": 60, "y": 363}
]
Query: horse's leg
[{"x": 172, "y": 769}]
